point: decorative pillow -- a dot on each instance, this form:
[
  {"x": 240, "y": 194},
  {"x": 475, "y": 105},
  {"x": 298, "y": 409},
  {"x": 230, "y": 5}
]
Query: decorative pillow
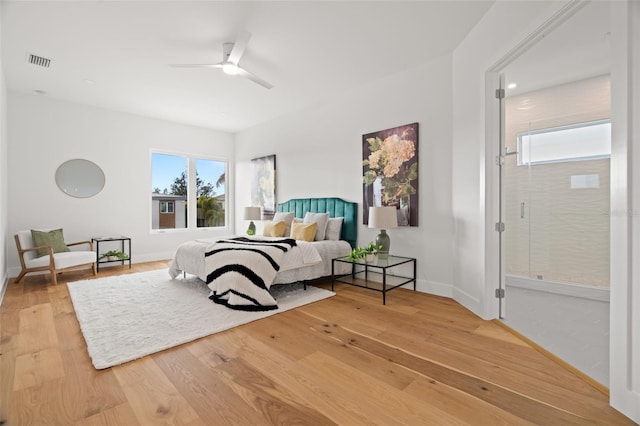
[
  {"x": 274, "y": 229},
  {"x": 304, "y": 231},
  {"x": 297, "y": 220},
  {"x": 53, "y": 238},
  {"x": 321, "y": 219},
  {"x": 287, "y": 218},
  {"x": 334, "y": 228}
]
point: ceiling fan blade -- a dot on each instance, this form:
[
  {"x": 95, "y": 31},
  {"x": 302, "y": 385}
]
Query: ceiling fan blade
[
  {"x": 244, "y": 73},
  {"x": 196, "y": 65},
  {"x": 239, "y": 46}
]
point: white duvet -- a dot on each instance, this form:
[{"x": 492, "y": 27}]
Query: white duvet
[{"x": 306, "y": 261}]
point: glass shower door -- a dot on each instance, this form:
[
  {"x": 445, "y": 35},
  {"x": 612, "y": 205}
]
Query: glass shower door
[{"x": 565, "y": 202}]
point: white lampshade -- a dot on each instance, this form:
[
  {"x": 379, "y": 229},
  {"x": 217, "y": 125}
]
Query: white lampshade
[
  {"x": 383, "y": 217},
  {"x": 252, "y": 213}
]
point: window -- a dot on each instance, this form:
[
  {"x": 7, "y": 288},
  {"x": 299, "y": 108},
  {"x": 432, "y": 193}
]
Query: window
[
  {"x": 210, "y": 190},
  {"x": 583, "y": 141},
  {"x": 175, "y": 179},
  {"x": 169, "y": 193},
  {"x": 166, "y": 206}
]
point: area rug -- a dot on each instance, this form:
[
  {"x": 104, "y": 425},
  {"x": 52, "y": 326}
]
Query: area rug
[{"x": 126, "y": 317}]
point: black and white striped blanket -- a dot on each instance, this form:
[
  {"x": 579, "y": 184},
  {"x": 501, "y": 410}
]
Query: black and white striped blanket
[{"x": 240, "y": 272}]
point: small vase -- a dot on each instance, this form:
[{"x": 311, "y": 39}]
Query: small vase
[
  {"x": 370, "y": 258},
  {"x": 383, "y": 240},
  {"x": 112, "y": 258},
  {"x": 252, "y": 229}
]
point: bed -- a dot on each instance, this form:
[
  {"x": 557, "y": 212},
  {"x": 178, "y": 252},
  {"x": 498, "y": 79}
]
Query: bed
[{"x": 299, "y": 261}]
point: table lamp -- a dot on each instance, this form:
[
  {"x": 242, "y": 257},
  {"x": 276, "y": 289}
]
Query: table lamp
[
  {"x": 251, "y": 213},
  {"x": 383, "y": 218}
]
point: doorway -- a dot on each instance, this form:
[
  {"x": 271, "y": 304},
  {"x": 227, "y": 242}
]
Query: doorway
[{"x": 555, "y": 192}]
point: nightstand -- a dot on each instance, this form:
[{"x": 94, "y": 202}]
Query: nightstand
[{"x": 121, "y": 239}]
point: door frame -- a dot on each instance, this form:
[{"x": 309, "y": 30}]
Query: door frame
[
  {"x": 624, "y": 358},
  {"x": 494, "y": 122}
]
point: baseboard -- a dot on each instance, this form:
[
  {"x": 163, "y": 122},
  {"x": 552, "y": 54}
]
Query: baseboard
[
  {"x": 5, "y": 282},
  {"x": 13, "y": 271},
  {"x": 594, "y": 383},
  {"x": 433, "y": 287},
  {"x": 153, "y": 257},
  {"x": 468, "y": 301}
]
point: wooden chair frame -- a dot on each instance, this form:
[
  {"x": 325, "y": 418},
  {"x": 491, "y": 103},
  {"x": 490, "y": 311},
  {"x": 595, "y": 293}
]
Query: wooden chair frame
[{"x": 51, "y": 267}]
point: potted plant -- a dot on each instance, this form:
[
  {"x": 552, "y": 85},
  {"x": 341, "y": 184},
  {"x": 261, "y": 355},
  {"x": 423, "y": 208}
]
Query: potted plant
[
  {"x": 371, "y": 251},
  {"x": 368, "y": 253},
  {"x": 356, "y": 254},
  {"x": 112, "y": 255}
]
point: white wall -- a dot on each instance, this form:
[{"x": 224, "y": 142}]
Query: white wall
[
  {"x": 3, "y": 178},
  {"x": 43, "y": 133},
  {"x": 319, "y": 153}
]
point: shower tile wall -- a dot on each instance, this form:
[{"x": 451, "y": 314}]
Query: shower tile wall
[{"x": 564, "y": 234}]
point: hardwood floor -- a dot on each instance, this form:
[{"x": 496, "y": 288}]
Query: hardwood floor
[{"x": 345, "y": 360}]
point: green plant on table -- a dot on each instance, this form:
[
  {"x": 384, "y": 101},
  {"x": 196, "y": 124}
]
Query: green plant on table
[
  {"x": 362, "y": 252},
  {"x": 115, "y": 253},
  {"x": 372, "y": 248}
]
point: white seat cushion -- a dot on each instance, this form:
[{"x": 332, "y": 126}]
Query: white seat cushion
[
  {"x": 26, "y": 242},
  {"x": 64, "y": 259}
]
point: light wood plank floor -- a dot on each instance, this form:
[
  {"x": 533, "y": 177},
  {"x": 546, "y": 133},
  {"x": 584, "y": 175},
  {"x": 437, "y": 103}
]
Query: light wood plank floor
[{"x": 345, "y": 360}]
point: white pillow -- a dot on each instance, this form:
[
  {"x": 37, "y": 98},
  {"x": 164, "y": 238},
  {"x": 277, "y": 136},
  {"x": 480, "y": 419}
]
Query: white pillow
[
  {"x": 287, "y": 218},
  {"x": 334, "y": 228},
  {"x": 322, "y": 219}
]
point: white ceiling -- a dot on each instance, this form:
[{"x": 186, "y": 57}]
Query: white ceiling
[
  {"x": 115, "y": 54},
  {"x": 578, "y": 48}
]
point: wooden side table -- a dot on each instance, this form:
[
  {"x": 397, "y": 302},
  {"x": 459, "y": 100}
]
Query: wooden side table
[{"x": 98, "y": 240}]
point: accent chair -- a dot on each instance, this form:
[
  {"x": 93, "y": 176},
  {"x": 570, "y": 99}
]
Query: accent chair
[{"x": 77, "y": 256}]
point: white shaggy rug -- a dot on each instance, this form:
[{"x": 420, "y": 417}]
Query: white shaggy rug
[{"x": 126, "y": 317}]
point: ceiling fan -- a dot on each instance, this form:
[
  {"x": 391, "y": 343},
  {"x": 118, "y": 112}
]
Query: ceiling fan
[{"x": 231, "y": 54}]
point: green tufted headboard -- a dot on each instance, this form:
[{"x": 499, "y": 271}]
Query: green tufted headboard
[{"x": 336, "y": 207}]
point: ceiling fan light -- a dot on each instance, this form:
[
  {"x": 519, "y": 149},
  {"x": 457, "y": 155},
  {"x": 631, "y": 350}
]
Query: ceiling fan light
[{"x": 230, "y": 68}]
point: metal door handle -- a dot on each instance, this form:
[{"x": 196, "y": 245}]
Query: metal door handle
[{"x": 522, "y": 210}]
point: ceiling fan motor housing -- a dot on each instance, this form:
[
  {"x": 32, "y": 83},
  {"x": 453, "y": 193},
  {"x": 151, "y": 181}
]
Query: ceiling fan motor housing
[{"x": 226, "y": 51}]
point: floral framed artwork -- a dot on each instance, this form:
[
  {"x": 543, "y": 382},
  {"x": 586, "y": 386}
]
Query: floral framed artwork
[
  {"x": 263, "y": 185},
  {"x": 390, "y": 172}
]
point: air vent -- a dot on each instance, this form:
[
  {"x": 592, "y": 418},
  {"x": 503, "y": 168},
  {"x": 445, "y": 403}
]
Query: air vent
[{"x": 39, "y": 61}]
